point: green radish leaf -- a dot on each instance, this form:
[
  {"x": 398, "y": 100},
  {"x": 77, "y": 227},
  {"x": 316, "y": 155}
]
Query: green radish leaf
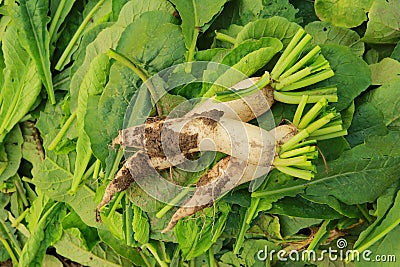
[
  {"x": 300, "y": 207},
  {"x": 116, "y": 8},
  {"x": 89, "y": 36},
  {"x": 103, "y": 41},
  {"x": 21, "y": 82},
  {"x": 276, "y": 27},
  {"x": 196, "y": 236},
  {"x": 197, "y": 17},
  {"x": 383, "y": 24},
  {"x": 350, "y": 175},
  {"x": 271, "y": 8},
  {"x": 306, "y": 11},
  {"x": 343, "y": 13},
  {"x": 326, "y": 33},
  {"x": 8, "y": 233},
  {"x": 73, "y": 246},
  {"x": 381, "y": 227},
  {"x": 385, "y": 71},
  {"x": 54, "y": 178},
  {"x": 120, "y": 248},
  {"x": 140, "y": 225},
  {"x": 108, "y": 109},
  {"x": 12, "y": 149},
  {"x": 383, "y": 204},
  {"x": 266, "y": 223},
  {"x": 47, "y": 231},
  {"x": 292, "y": 225},
  {"x": 388, "y": 246},
  {"x": 396, "y": 52},
  {"x": 62, "y": 10},
  {"x": 238, "y": 53},
  {"x": 153, "y": 42},
  {"x": 367, "y": 121},
  {"x": 248, "y": 255},
  {"x": 37, "y": 209},
  {"x": 386, "y": 99},
  {"x": 54, "y": 175},
  {"x": 352, "y": 74},
  {"x": 93, "y": 84},
  {"x": 349, "y": 211},
  {"x": 33, "y": 21},
  {"x": 245, "y": 59}
]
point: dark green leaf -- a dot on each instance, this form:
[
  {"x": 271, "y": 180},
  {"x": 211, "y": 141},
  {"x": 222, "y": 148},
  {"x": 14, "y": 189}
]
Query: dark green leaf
[
  {"x": 119, "y": 247},
  {"x": 300, "y": 207},
  {"x": 368, "y": 120},
  {"x": 62, "y": 10},
  {"x": 352, "y": 74},
  {"x": 382, "y": 227}
]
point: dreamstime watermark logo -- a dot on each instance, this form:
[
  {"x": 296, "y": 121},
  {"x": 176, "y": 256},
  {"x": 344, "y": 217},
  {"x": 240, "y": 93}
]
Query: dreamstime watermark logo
[
  {"x": 339, "y": 254},
  {"x": 199, "y": 125}
]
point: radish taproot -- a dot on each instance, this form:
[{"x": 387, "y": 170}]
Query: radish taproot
[{"x": 167, "y": 142}]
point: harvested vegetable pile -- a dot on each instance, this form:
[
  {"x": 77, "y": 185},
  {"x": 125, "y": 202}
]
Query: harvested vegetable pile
[{"x": 199, "y": 133}]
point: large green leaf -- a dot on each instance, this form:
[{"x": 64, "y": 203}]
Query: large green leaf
[
  {"x": 108, "y": 109},
  {"x": 368, "y": 120},
  {"x": 140, "y": 225},
  {"x": 300, "y": 207},
  {"x": 121, "y": 248},
  {"x": 93, "y": 84},
  {"x": 277, "y": 27},
  {"x": 385, "y": 71},
  {"x": 343, "y": 13},
  {"x": 382, "y": 229},
  {"x": 383, "y": 25},
  {"x": 245, "y": 60},
  {"x": 33, "y": 20},
  {"x": 153, "y": 42},
  {"x": 196, "y": 17},
  {"x": 196, "y": 236},
  {"x": 350, "y": 176},
  {"x": 47, "y": 231},
  {"x": 72, "y": 245},
  {"x": 54, "y": 175},
  {"x": 326, "y": 33},
  {"x": 352, "y": 74},
  {"x": 387, "y": 99},
  {"x": 104, "y": 40},
  {"x": 21, "y": 82}
]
